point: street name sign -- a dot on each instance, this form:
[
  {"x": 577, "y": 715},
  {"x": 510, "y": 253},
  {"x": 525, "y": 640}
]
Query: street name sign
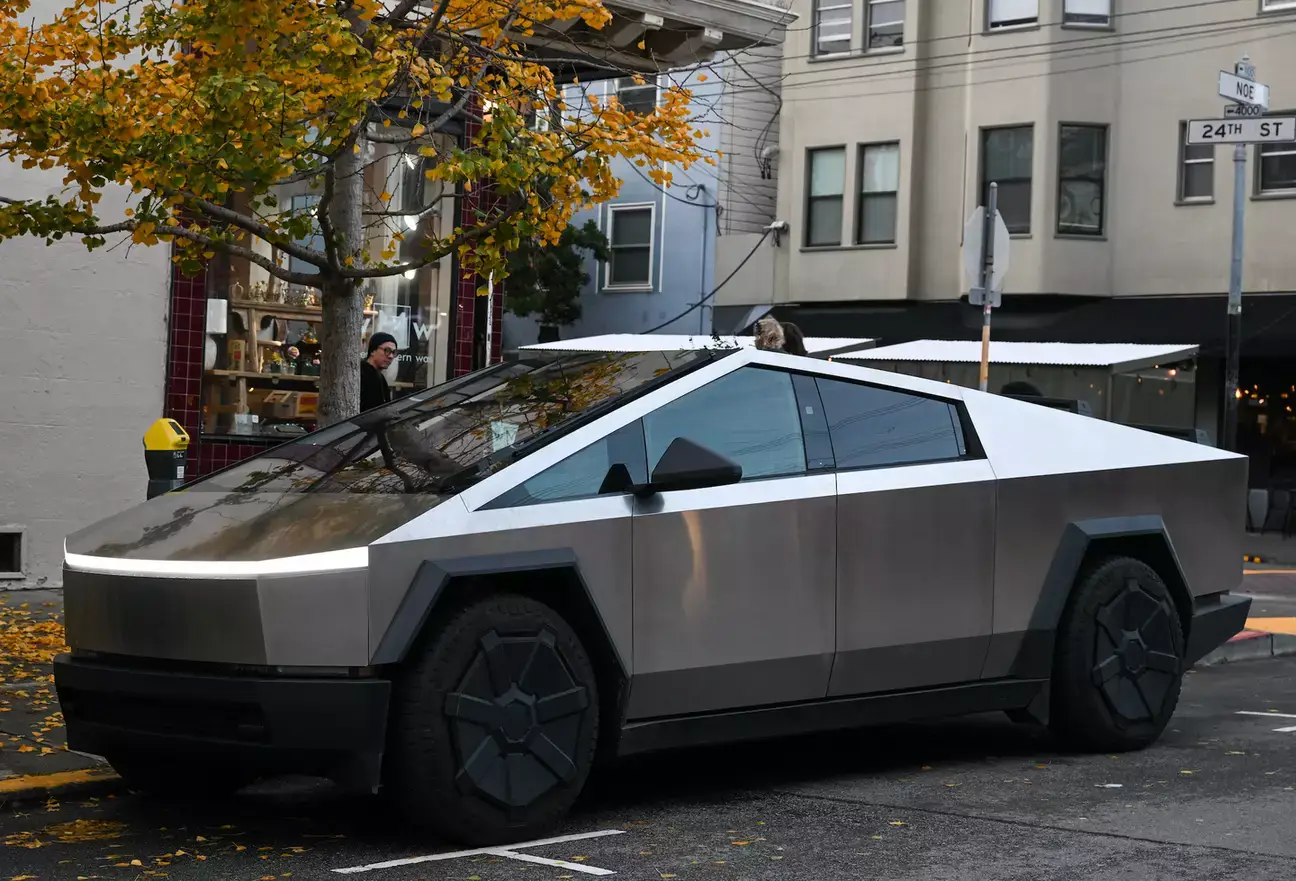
[
  {"x": 1264, "y": 130},
  {"x": 1243, "y": 91}
]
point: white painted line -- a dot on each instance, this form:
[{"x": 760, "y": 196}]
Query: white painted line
[
  {"x": 1275, "y": 715},
  {"x": 1286, "y": 730},
  {"x": 561, "y": 864},
  {"x": 459, "y": 854}
]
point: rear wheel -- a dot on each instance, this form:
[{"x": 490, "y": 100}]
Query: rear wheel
[
  {"x": 495, "y": 724},
  {"x": 1119, "y": 662}
]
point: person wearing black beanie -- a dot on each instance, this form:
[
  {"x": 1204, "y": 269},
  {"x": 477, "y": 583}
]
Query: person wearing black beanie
[{"x": 374, "y": 391}]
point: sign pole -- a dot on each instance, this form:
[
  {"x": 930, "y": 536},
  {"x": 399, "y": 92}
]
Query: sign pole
[
  {"x": 987, "y": 276},
  {"x": 1233, "y": 337}
]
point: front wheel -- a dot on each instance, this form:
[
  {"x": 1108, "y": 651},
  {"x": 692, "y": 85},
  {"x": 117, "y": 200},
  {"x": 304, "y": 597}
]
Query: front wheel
[
  {"x": 495, "y": 724},
  {"x": 1120, "y": 659}
]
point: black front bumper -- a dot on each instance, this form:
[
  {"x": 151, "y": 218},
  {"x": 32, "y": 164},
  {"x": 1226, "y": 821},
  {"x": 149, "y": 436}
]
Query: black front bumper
[
  {"x": 1216, "y": 619},
  {"x": 312, "y": 725}
]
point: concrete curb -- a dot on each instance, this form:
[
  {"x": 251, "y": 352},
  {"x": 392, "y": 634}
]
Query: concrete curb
[
  {"x": 61, "y": 784},
  {"x": 1250, "y": 645}
]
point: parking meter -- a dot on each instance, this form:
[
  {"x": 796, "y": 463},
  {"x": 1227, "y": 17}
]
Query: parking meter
[{"x": 166, "y": 453}]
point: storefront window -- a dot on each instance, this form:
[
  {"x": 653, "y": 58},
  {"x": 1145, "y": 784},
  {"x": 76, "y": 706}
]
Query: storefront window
[{"x": 261, "y": 361}]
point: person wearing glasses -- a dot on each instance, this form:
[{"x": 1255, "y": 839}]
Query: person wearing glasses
[{"x": 374, "y": 391}]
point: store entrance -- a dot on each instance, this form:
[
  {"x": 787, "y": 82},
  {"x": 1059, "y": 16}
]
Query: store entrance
[{"x": 1267, "y": 421}]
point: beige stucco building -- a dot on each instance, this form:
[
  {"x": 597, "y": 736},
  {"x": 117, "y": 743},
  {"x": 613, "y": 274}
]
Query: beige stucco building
[{"x": 896, "y": 115}]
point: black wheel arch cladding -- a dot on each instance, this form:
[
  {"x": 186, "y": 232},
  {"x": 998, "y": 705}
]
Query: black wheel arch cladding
[{"x": 1142, "y": 537}]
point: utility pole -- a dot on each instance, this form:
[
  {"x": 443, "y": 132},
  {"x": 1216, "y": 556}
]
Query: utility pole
[
  {"x": 987, "y": 277},
  {"x": 1233, "y": 335}
]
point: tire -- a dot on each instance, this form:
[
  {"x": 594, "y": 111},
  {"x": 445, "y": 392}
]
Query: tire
[
  {"x": 1119, "y": 662},
  {"x": 494, "y": 724},
  {"x": 174, "y": 779}
]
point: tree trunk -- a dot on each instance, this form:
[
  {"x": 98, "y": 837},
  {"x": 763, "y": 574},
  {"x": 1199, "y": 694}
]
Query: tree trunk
[{"x": 343, "y": 306}]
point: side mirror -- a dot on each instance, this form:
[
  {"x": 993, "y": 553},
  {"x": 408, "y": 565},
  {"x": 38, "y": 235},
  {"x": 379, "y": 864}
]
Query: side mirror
[{"x": 689, "y": 465}]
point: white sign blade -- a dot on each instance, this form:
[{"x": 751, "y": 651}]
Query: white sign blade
[
  {"x": 1264, "y": 130},
  {"x": 1234, "y": 88}
]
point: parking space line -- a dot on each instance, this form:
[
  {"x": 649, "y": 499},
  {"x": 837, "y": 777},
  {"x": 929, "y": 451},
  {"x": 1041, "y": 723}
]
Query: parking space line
[
  {"x": 544, "y": 861},
  {"x": 509, "y": 852},
  {"x": 1275, "y": 715}
]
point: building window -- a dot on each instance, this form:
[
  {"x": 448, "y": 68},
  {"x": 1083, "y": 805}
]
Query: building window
[
  {"x": 1276, "y": 168},
  {"x": 884, "y": 27},
  {"x": 1082, "y": 179},
  {"x": 1277, "y": 5},
  {"x": 1196, "y": 169},
  {"x": 11, "y": 554},
  {"x": 832, "y": 27},
  {"x": 875, "y": 221},
  {"x": 824, "y": 203},
  {"x": 1007, "y": 158},
  {"x": 1087, "y": 13},
  {"x": 631, "y": 240},
  {"x": 1011, "y": 13},
  {"x": 637, "y": 98}
]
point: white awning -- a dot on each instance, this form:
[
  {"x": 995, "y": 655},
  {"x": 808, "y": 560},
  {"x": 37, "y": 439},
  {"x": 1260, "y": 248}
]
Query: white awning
[
  {"x": 670, "y": 342},
  {"x": 1115, "y": 356}
]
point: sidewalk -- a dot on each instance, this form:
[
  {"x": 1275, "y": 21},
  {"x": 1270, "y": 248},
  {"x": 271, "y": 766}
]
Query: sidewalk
[
  {"x": 1269, "y": 548},
  {"x": 34, "y": 759}
]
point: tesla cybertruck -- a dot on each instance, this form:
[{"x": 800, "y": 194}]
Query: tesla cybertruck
[{"x": 467, "y": 598}]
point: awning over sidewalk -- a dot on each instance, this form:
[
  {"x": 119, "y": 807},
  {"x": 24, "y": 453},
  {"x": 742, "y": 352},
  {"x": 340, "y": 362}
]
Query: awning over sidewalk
[
  {"x": 821, "y": 347},
  {"x": 1116, "y": 357}
]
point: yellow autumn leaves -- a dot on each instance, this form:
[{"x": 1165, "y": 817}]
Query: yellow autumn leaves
[{"x": 219, "y": 102}]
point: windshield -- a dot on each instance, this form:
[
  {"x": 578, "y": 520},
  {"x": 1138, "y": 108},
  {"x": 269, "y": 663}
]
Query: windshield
[{"x": 351, "y": 483}]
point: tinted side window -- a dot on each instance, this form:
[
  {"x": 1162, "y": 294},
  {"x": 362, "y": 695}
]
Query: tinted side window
[
  {"x": 749, "y": 415},
  {"x": 875, "y": 426},
  {"x": 582, "y": 474}
]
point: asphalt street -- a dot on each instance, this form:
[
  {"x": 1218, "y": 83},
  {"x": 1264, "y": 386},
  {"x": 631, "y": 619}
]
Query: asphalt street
[
  {"x": 1272, "y": 591},
  {"x": 968, "y": 799}
]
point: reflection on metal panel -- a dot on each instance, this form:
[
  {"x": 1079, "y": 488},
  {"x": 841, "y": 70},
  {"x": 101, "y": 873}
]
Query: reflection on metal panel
[
  {"x": 1202, "y": 505},
  {"x": 734, "y": 576},
  {"x": 316, "y": 620},
  {"x": 596, "y": 530},
  {"x": 1120, "y": 356},
  {"x": 915, "y": 581},
  {"x": 218, "y": 621}
]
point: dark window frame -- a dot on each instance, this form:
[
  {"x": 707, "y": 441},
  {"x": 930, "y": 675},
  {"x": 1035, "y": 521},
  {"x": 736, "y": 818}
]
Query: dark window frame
[
  {"x": 1181, "y": 195},
  {"x": 1082, "y": 232},
  {"x": 1010, "y": 24},
  {"x": 960, "y": 420},
  {"x": 1281, "y": 148},
  {"x": 1084, "y": 20},
  {"x": 816, "y": 13},
  {"x": 811, "y": 200},
  {"x": 636, "y": 104},
  {"x": 984, "y": 184},
  {"x": 862, "y": 197},
  {"x": 868, "y": 26}
]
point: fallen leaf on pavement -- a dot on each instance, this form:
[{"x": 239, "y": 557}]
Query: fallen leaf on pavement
[
  {"x": 740, "y": 843},
  {"x": 1234, "y": 752},
  {"x": 897, "y": 823}
]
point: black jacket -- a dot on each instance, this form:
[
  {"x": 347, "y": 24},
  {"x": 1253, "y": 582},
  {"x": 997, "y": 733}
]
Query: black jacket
[{"x": 374, "y": 391}]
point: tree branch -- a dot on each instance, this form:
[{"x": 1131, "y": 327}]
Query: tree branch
[{"x": 260, "y": 230}]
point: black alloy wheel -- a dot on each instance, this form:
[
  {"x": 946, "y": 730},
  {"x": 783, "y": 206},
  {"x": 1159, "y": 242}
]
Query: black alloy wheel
[
  {"x": 1119, "y": 664},
  {"x": 495, "y": 724}
]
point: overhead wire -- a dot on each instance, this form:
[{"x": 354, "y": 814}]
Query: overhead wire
[{"x": 701, "y": 302}]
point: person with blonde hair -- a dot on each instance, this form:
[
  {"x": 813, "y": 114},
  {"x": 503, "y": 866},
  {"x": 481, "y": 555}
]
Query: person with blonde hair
[{"x": 769, "y": 334}]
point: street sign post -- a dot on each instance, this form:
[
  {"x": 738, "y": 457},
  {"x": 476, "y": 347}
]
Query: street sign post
[
  {"x": 974, "y": 255},
  {"x": 1243, "y": 91},
  {"x": 1247, "y": 130},
  {"x": 1244, "y": 124},
  {"x": 985, "y": 257}
]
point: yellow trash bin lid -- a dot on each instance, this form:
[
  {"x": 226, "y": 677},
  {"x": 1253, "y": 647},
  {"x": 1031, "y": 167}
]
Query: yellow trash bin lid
[{"x": 166, "y": 434}]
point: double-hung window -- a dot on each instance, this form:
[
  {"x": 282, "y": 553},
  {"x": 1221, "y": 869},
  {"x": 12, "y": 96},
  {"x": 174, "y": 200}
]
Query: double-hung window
[
  {"x": 1011, "y": 13},
  {"x": 1276, "y": 165},
  {"x": 1007, "y": 157},
  {"x": 875, "y": 221},
  {"x": 827, "y": 173},
  {"x": 1196, "y": 169},
  {"x": 831, "y": 27},
  {"x": 1087, "y": 13},
  {"x": 630, "y": 242},
  {"x": 637, "y": 98},
  {"x": 1082, "y": 179},
  {"x": 884, "y": 25}
]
